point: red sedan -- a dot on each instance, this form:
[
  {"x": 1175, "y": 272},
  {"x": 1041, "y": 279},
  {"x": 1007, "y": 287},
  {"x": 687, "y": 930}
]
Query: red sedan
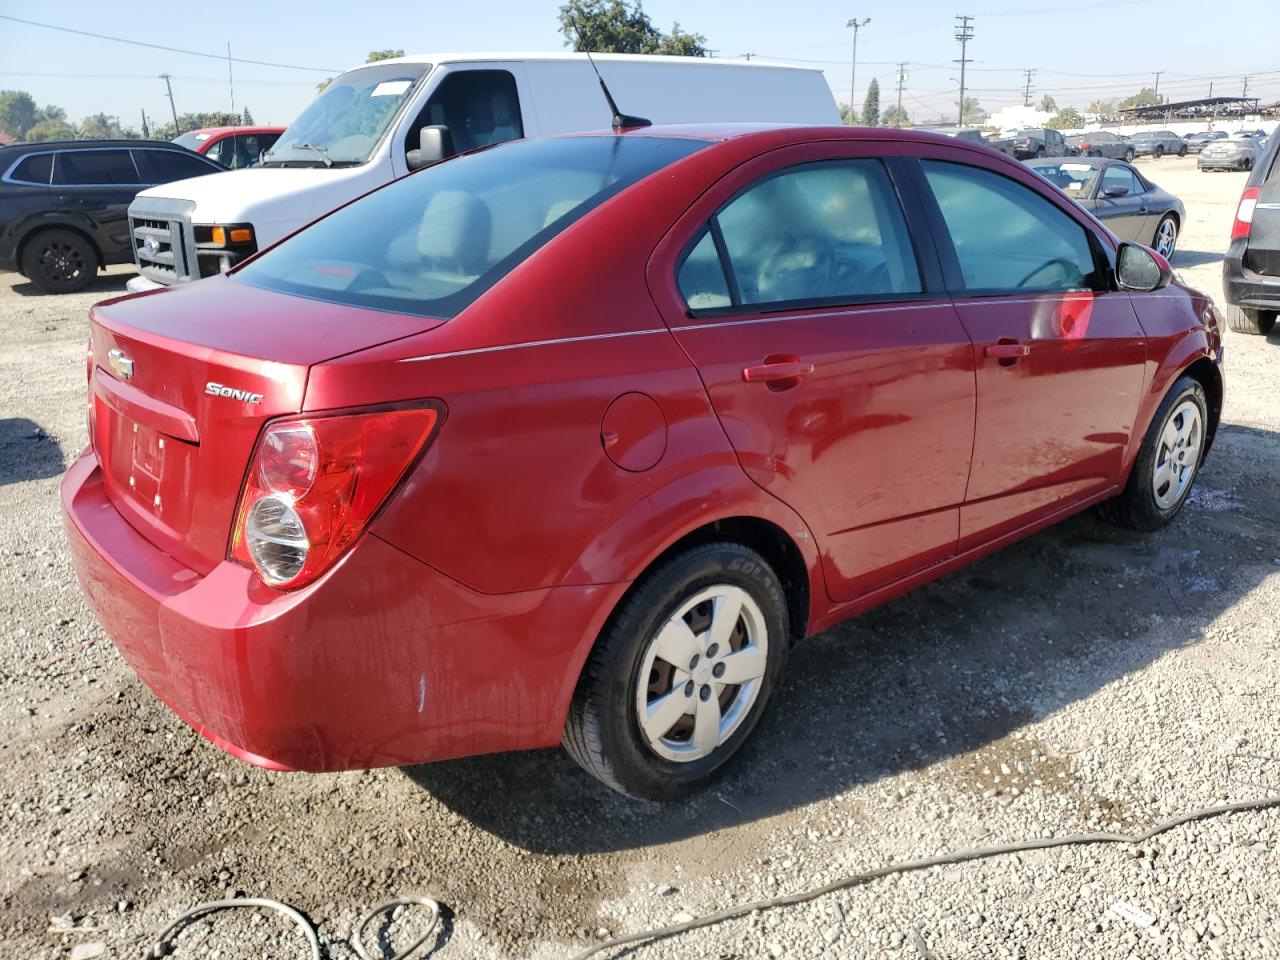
[{"x": 569, "y": 440}]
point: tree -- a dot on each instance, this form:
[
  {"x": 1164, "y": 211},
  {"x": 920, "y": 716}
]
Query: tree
[
  {"x": 615, "y": 26},
  {"x": 895, "y": 116},
  {"x": 18, "y": 112},
  {"x": 1048, "y": 104},
  {"x": 871, "y": 105},
  {"x": 47, "y": 129},
  {"x": 972, "y": 112},
  {"x": 246, "y": 118},
  {"x": 194, "y": 121},
  {"x": 1146, "y": 97},
  {"x": 1102, "y": 108},
  {"x": 1068, "y": 118}
]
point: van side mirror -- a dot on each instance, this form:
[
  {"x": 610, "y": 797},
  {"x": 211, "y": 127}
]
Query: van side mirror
[
  {"x": 1140, "y": 269},
  {"x": 435, "y": 143}
]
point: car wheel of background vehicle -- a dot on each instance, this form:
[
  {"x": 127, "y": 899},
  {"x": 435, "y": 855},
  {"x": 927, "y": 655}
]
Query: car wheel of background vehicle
[
  {"x": 59, "y": 261},
  {"x": 1039, "y": 152},
  {"x": 1182, "y": 150},
  {"x": 1128, "y": 156},
  {"x": 1159, "y": 152},
  {"x": 681, "y": 673},
  {"x": 1166, "y": 467},
  {"x": 1165, "y": 240},
  {"x": 1244, "y": 320}
]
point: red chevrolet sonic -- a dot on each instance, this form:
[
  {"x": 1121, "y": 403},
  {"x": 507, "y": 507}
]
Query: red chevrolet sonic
[{"x": 568, "y": 440}]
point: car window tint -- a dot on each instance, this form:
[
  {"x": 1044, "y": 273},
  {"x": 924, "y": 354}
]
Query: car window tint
[
  {"x": 34, "y": 169},
  {"x": 701, "y": 278},
  {"x": 165, "y": 166},
  {"x": 222, "y": 151},
  {"x": 1007, "y": 236},
  {"x": 479, "y": 107},
  {"x": 95, "y": 168},
  {"x": 821, "y": 231},
  {"x": 1118, "y": 176}
]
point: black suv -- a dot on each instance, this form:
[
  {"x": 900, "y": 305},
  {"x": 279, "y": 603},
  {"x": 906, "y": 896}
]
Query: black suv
[
  {"x": 64, "y": 205},
  {"x": 1251, "y": 268}
]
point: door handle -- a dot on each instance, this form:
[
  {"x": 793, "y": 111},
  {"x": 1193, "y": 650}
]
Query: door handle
[
  {"x": 1007, "y": 351},
  {"x": 776, "y": 369}
]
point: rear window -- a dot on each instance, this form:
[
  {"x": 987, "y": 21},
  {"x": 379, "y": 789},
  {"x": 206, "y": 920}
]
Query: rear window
[
  {"x": 433, "y": 242},
  {"x": 34, "y": 169}
]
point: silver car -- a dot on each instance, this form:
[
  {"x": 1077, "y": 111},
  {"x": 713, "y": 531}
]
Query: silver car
[
  {"x": 1131, "y": 206},
  {"x": 1239, "y": 152},
  {"x": 1101, "y": 143}
]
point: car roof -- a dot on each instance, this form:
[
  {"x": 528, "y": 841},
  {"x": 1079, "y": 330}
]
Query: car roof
[
  {"x": 219, "y": 131},
  {"x": 41, "y": 146},
  {"x": 788, "y": 132},
  {"x": 509, "y": 55}
]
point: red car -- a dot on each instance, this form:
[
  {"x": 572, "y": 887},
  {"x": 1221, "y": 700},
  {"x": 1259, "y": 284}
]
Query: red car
[
  {"x": 568, "y": 440},
  {"x": 233, "y": 147}
]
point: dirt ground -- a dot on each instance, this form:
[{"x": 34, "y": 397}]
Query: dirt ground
[{"x": 1083, "y": 679}]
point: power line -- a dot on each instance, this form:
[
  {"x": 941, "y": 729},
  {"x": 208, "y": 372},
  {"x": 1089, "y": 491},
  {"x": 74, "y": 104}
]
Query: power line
[
  {"x": 160, "y": 46},
  {"x": 151, "y": 76}
]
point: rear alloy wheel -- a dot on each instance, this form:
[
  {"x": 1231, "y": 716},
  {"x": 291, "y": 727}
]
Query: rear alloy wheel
[
  {"x": 1166, "y": 467},
  {"x": 1244, "y": 320},
  {"x": 1128, "y": 156},
  {"x": 1166, "y": 238},
  {"x": 681, "y": 675},
  {"x": 59, "y": 261}
]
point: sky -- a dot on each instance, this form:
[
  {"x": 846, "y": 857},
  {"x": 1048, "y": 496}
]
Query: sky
[{"x": 1080, "y": 51}]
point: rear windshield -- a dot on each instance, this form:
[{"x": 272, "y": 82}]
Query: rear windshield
[{"x": 433, "y": 242}]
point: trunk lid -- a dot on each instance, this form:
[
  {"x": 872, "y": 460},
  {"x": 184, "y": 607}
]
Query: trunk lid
[{"x": 183, "y": 380}]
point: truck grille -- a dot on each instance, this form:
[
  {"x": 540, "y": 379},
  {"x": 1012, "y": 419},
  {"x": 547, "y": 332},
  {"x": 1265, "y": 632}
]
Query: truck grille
[{"x": 163, "y": 241}]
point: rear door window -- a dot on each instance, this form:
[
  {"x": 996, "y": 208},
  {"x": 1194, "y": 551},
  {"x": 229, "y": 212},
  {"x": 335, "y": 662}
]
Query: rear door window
[
  {"x": 479, "y": 107},
  {"x": 824, "y": 232},
  {"x": 87, "y": 168},
  {"x": 165, "y": 166},
  {"x": 36, "y": 168}
]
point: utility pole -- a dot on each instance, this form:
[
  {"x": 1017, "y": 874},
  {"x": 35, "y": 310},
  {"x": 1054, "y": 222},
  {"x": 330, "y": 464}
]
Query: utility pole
[
  {"x": 964, "y": 33},
  {"x": 747, "y": 56},
  {"x": 1026, "y": 93},
  {"x": 853, "y": 69},
  {"x": 1245, "y": 90},
  {"x": 168, "y": 86},
  {"x": 902, "y": 79},
  {"x": 231, "y": 84},
  {"x": 1157, "y": 89}
]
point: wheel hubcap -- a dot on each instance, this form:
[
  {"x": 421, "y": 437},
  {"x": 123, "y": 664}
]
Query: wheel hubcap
[
  {"x": 61, "y": 261},
  {"x": 1166, "y": 238},
  {"x": 1178, "y": 455},
  {"x": 701, "y": 673}
]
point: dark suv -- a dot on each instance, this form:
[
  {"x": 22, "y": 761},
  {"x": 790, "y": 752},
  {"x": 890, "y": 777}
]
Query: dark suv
[
  {"x": 64, "y": 206},
  {"x": 1251, "y": 268}
]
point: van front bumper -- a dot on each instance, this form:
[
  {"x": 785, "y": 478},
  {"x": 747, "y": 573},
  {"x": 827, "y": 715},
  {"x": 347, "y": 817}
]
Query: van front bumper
[
  {"x": 383, "y": 661},
  {"x": 142, "y": 284}
]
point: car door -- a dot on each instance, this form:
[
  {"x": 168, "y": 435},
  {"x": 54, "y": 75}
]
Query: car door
[
  {"x": 99, "y": 184},
  {"x": 834, "y": 360},
  {"x": 1125, "y": 214},
  {"x": 1059, "y": 353}
]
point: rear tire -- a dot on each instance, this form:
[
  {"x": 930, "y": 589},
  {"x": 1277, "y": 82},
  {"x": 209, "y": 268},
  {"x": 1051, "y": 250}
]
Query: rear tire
[
  {"x": 1128, "y": 156},
  {"x": 1165, "y": 470},
  {"x": 1159, "y": 152},
  {"x": 1258, "y": 323},
  {"x": 59, "y": 261},
  {"x": 1165, "y": 239},
  {"x": 658, "y": 648}
]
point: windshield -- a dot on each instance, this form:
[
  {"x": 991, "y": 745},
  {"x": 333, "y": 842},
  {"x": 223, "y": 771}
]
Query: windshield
[
  {"x": 345, "y": 123},
  {"x": 432, "y": 242},
  {"x": 191, "y": 140},
  {"x": 1073, "y": 177}
]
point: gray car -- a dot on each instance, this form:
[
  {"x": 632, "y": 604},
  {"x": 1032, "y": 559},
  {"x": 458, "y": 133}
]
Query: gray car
[
  {"x": 1239, "y": 152},
  {"x": 1132, "y": 207},
  {"x": 1158, "y": 143},
  {"x": 1100, "y": 143},
  {"x": 1038, "y": 142},
  {"x": 1198, "y": 141}
]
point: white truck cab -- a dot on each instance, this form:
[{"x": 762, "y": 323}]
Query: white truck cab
[{"x": 365, "y": 129}]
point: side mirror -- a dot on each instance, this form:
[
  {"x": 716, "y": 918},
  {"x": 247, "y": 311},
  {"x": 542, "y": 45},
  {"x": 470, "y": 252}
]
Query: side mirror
[
  {"x": 1115, "y": 191},
  {"x": 1140, "y": 269},
  {"x": 435, "y": 143}
]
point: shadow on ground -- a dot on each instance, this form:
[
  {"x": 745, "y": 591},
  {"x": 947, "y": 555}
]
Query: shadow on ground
[
  {"x": 108, "y": 283},
  {"x": 27, "y": 452},
  {"x": 947, "y": 669},
  {"x": 1194, "y": 258}
]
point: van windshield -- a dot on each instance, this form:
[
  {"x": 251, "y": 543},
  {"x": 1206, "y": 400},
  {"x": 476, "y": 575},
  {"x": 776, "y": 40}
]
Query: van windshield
[
  {"x": 431, "y": 243},
  {"x": 345, "y": 123}
]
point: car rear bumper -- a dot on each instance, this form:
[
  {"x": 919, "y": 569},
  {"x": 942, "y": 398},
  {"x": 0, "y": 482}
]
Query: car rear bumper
[
  {"x": 1243, "y": 287},
  {"x": 383, "y": 661},
  {"x": 1221, "y": 163}
]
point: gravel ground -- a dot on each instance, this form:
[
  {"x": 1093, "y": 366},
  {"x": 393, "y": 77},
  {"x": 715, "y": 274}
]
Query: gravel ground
[{"x": 1084, "y": 679}]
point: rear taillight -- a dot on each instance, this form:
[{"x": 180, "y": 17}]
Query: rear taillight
[
  {"x": 1244, "y": 213},
  {"x": 315, "y": 482}
]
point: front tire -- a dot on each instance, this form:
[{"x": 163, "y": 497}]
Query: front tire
[
  {"x": 1258, "y": 323},
  {"x": 681, "y": 673},
  {"x": 1128, "y": 156},
  {"x": 59, "y": 261},
  {"x": 1168, "y": 462}
]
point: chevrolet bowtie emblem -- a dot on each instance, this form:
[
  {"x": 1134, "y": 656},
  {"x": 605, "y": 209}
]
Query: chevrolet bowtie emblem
[{"x": 121, "y": 363}]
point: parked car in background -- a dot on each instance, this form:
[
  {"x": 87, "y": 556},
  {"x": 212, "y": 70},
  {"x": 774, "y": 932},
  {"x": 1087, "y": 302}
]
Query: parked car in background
[
  {"x": 233, "y": 147},
  {"x": 1158, "y": 143},
  {"x": 1131, "y": 206},
  {"x": 968, "y": 134},
  {"x": 381, "y": 120},
  {"x": 1039, "y": 142},
  {"x": 1237, "y": 152},
  {"x": 566, "y": 440},
  {"x": 64, "y": 204},
  {"x": 1251, "y": 268},
  {"x": 1100, "y": 143},
  {"x": 1198, "y": 141}
]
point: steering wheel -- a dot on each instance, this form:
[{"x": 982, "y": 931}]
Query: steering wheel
[{"x": 1062, "y": 262}]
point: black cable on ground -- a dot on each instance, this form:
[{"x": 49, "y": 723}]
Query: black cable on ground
[{"x": 981, "y": 853}]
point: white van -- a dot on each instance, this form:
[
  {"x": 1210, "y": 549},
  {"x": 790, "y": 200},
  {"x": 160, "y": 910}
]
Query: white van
[{"x": 367, "y": 127}]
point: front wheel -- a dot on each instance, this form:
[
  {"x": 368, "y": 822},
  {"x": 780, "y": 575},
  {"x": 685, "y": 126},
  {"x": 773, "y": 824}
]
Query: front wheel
[
  {"x": 1166, "y": 238},
  {"x": 1167, "y": 463},
  {"x": 59, "y": 261},
  {"x": 1128, "y": 156},
  {"x": 1182, "y": 150},
  {"x": 681, "y": 674},
  {"x": 1159, "y": 152}
]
